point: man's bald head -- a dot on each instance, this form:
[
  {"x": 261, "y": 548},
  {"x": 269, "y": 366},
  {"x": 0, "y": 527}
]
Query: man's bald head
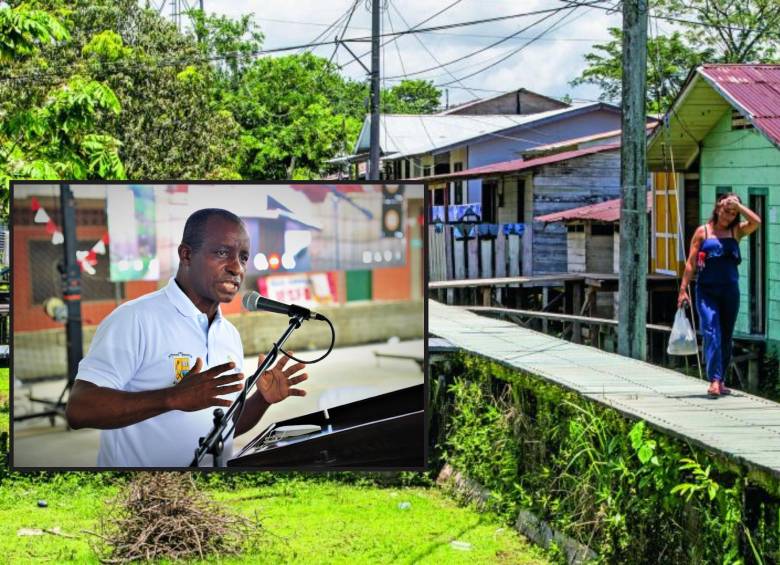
[{"x": 195, "y": 228}]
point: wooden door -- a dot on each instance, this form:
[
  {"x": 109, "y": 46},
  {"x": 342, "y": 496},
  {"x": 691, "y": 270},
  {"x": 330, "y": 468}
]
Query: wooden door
[{"x": 667, "y": 253}]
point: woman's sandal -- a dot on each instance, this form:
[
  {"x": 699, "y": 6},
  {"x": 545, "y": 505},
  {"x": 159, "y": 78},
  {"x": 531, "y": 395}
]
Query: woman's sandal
[{"x": 714, "y": 390}]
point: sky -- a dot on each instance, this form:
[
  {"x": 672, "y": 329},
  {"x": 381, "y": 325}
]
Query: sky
[{"x": 546, "y": 65}]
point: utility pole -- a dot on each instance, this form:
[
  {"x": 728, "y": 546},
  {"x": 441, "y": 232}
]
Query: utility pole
[
  {"x": 373, "y": 157},
  {"x": 632, "y": 319}
]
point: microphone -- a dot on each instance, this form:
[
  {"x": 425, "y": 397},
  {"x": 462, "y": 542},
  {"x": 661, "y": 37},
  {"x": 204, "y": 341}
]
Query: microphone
[{"x": 254, "y": 301}]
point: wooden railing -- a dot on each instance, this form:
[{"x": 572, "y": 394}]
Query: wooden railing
[{"x": 472, "y": 251}]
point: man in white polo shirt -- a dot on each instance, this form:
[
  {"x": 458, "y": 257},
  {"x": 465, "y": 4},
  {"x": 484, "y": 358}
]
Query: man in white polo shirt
[{"x": 159, "y": 364}]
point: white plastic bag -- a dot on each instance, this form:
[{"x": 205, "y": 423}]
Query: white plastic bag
[{"x": 682, "y": 341}]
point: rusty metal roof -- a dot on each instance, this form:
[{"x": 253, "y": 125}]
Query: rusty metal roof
[
  {"x": 607, "y": 211},
  {"x": 516, "y": 165},
  {"x": 752, "y": 89}
]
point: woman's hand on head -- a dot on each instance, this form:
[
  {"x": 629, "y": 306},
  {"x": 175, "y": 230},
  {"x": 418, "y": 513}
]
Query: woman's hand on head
[{"x": 731, "y": 203}]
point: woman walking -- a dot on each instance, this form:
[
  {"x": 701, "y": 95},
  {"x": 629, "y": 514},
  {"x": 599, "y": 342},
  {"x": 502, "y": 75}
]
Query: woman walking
[{"x": 715, "y": 255}]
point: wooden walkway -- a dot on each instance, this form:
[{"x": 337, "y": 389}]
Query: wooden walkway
[{"x": 740, "y": 426}]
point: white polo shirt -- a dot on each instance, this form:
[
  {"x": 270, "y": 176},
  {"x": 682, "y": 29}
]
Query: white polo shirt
[{"x": 148, "y": 344}]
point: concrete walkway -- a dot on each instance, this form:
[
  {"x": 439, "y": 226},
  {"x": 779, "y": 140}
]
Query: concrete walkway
[
  {"x": 740, "y": 426},
  {"x": 348, "y": 374}
]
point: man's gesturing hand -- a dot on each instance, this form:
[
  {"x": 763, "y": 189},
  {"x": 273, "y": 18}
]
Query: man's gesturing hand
[
  {"x": 276, "y": 383},
  {"x": 197, "y": 390}
]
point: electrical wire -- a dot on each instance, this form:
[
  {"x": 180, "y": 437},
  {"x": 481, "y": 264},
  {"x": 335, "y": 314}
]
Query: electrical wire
[
  {"x": 313, "y": 44},
  {"x": 344, "y": 31},
  {"x": 400, "y": 59},
  {"x": 482, "y": 49},
  {"x": 514, "y": 51},
  {"x": 120, "y": 65},
  {"x": 334, "y": 25},
  {"x": 242, "y": 397}
]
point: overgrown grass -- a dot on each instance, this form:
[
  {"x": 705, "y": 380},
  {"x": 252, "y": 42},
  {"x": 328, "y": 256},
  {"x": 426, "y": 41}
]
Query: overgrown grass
[
  {"x": 632, "y": 494},
  {"x": 70, "y": 509},
  {"x": 5, "y": 384},
  {"x": 302, "y": 521}
]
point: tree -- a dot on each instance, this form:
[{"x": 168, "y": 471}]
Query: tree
[
  {"x": 229, "y": 44},
  {"x": 740, "y": 31},
  {"x": 58, "y": 137},
  {"x": 296, "y": 112},
  {"x": 411, "y": 97},
  {"x": 170, "y": 126},
  {"x": 712, "y": 31},
  {"x": 669, "y": 60}
]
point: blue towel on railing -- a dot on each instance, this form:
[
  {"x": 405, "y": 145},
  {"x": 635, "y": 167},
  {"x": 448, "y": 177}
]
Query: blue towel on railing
[
  {"x": 437, "y": 213},
  {"x": 464, "y": 231},
  {"x": 487, "y": 230},
  {"x": 514, "y": 229}
]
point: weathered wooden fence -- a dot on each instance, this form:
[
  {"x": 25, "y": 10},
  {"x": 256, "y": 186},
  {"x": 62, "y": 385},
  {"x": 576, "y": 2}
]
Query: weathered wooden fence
[{"x": 457, "y": 252}]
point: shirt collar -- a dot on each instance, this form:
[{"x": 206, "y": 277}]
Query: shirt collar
[{"x": 182, "y": 302}]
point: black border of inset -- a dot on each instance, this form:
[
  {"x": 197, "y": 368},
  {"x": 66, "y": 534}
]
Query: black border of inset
[{"x": 217, "y": 182}]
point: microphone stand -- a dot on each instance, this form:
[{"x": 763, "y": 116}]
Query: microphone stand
[{"x": 214, "y": 443}]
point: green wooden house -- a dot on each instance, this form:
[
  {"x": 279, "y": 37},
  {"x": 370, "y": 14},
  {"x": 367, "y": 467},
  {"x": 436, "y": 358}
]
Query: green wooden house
[{"x": 722, "y": 134}]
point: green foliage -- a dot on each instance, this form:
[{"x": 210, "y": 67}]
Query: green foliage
[
  {"x": 23, "y": 31},
  {"x": 342, "y": 523},
  {"x": 482, "y": 441},
  {"x": 229, "y": 43},
  {"x": 296, "y": 112},
  {"x": 631, "y": 494},
  {"x": 106, "y": 46},
  {"x": 669, "y": 60},
  {"x": 57, "y": 140},
  {"x": 195, "y": 105},
  {"x": 702, "y": 481},
  {"x": 711, "y": 31},
  {"x": 170, "y": 126},
  {"x": 50, "y": 130},
  {"x": 740, "y": 31},
  {"x": 411, "y": 97}
]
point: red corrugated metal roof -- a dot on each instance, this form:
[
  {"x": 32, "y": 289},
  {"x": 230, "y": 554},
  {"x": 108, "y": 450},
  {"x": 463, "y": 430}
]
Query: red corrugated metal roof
[
  {"x": 521, "y": 164},
  {"x": 754, "y": 89},
  {"x": 607, "y": 211}
]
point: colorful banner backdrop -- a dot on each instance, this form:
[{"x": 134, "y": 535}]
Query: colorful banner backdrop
[
  {"x": 133, "y": 232},
  {"x": 304, "y": 289}
]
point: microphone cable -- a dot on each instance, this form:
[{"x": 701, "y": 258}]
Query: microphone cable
[{"x": 243, "y": 395}]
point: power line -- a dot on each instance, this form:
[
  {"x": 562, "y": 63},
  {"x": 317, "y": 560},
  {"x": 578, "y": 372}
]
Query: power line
[
  {"x": 478, "y": 51},
  {"x": 209, "y": 59},
  {"x": 473, "y": 93},
  {"x": 422, "y": 121},
  {"x": 344, "y": 31},
  {"x": 417, "y": 25},
  {"x": 674, "y": 19},
  {"x": 478, "y": 63},
  {"x": 570, "y": 3},
  {"x": 515, "y": 51},
  {"x": 334, "y": 25},
  {"x": 443, "y": 33}
]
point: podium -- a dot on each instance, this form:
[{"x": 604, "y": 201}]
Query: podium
[{"x": 384, "y": 432}]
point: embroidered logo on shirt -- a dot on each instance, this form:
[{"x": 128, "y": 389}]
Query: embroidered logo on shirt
[{"x": 181, "y": 365}]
